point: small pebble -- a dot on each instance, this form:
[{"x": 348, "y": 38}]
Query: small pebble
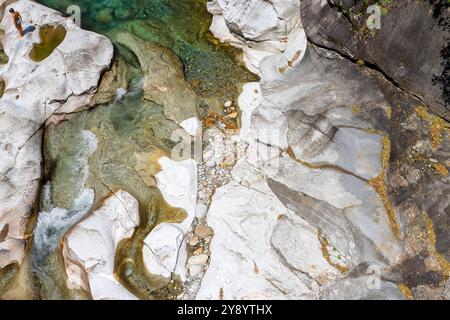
[
  {"x": 233, "y": 115},
  {"x": 203, "y": 231},
  {"x": 198, "y": 260}
]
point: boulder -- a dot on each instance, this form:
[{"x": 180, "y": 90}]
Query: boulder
[
  {"x": 260, "y": 28},
  {"x": 91, "y": 267}
]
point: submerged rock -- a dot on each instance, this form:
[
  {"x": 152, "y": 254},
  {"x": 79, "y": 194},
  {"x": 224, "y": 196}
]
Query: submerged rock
[{"x": 164, "y": 81}]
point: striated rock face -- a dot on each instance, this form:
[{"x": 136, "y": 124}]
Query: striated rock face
[
  {"x": 410, "y": 46},
  {"x": 33, "y": 93},
  {"x": 414, "y": 86},
  {"x": 260, "y": 28},
  {"x": 326, "y": 157}
]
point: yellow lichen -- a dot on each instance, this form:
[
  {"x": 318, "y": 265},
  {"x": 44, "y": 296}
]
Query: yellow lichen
[
  {"x": 440, "y": 169},
  {"x": 372, "y": 131},
  {"x": 405, "y": 291},
  {"x": 291, "y": 154},
  {"x": 389, "y": 112},
  {"x": 356, "y": 109},
  {"x": 443, "y": 263},
  {"x": 326, "y": 254},
  {"x": 436, "y": 126},
  {"x": 380, "y": 185}
]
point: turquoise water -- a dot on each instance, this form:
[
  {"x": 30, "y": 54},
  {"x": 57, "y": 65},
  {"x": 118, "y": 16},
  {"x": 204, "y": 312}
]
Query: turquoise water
[{"x": 180, "y": 25}]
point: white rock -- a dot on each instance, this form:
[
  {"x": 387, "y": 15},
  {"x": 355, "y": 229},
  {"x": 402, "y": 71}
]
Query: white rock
[
  {"x": 354, "y": 150},
  {"x": 289, "y": 236},
  {"x": 192, "y": 126},
  {"x": 90, "y": 247},
  {"x": 165, "y": 251},
  {"x": 194, "y": 269},
  {"x": 161, "y": 249},
  {"x": 178, "y": 184},
  {"x": 201, "y": 210},
  {"x": 260, "y": 28},
  {"x": 249, "y": 99},
  {"x": 244, "y": 265}
]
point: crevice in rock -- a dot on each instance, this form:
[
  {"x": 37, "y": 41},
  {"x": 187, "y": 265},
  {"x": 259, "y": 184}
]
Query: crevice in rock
[{"x": 372, "y": 67}]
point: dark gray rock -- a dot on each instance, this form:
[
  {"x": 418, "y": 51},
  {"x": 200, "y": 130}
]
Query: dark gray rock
[{"x": 411, "y": 48}]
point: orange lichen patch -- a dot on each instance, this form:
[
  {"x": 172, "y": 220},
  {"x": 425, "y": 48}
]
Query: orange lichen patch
[
  {"x": 405, "y": 291},
  {"x": 440, "y": 169},
  {"x": 380, "y": 185},
  {"x": 431, "y": 235},
  {"x": 153, "y": 165},
  {"x": 282, "y": 69},
  {"x": 2, "y": 87},
  {"x": 212, "y": 118},
  {"x": 227, "y": 163},
  {"x": 326, "y": 253},
  {"x": 436, "y": 126}
]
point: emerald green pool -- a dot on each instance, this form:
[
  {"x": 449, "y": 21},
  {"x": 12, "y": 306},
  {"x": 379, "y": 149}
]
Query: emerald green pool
[{"x": 180, "y": 25}]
